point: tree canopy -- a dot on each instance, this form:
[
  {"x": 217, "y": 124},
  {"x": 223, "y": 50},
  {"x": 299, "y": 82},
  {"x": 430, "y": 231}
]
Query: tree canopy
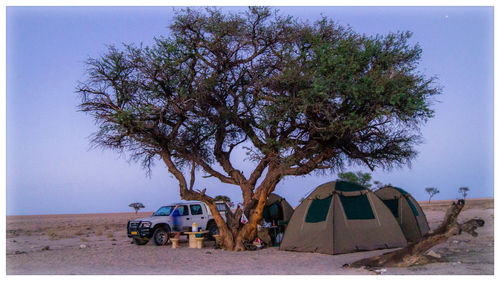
[
  {"x": 357, "y": 177},
  {"x": 137, "y": 206},
  {"x": 299, "y": 97},
  {"x": 222, "y": 198}
]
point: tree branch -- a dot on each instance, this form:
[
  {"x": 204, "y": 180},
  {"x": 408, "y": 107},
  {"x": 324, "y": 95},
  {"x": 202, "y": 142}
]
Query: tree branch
[
  {"x": 257, "y": 173},
  {"x": 223, "y": 158},
  {"x": 191, "y": 183},
  {"x": 185, "y": 193},
  {"x": 213, "y": 173},
  {"x": 310, "y": 165}
]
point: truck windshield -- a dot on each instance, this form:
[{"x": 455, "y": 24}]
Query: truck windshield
[{"x": 164, "y": 211}]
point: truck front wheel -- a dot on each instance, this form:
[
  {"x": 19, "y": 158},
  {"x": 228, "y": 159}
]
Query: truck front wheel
[{"x": 161, "y": 235}]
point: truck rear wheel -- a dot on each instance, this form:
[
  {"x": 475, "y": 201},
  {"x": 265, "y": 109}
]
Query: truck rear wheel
[
  {"x": 160, "y": 234},
  {"x": 140, "y": 241}
]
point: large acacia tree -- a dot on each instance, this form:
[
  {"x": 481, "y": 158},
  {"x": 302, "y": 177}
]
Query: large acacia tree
[{"x": 299, "y": 97}]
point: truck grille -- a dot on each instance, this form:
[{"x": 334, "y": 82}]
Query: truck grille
[{"x": 134, "y": 225}]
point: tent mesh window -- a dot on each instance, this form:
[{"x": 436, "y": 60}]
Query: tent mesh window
[
  {"x": 406, "y": 195},
  {"x": 357, "y": 207},
  {"x": 273, "y": 212},
  {"x": 318, "y": 210},
  {"x": 393, "y": 205}
]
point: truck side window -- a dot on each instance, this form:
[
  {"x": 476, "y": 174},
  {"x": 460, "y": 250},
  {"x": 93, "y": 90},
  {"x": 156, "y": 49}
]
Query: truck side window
[
  {"x": 183, "y": 211},
  {"x": 196, "y": 210},
  {"x": 221, "y": 207}
]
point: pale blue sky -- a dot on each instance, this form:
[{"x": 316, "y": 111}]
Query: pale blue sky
[{"x": 50, "y": 168}]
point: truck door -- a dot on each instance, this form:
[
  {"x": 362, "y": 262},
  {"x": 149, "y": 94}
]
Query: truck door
[
  {"x": 184, "y": 218},
  {"x": 199, "y": 215}
]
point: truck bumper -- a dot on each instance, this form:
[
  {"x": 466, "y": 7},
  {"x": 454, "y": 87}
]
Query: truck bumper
[{"x": 135, "y": 231}]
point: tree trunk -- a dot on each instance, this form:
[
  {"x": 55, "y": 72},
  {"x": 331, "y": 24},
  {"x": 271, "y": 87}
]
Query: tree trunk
[
  {"x": 414, "y": 253},
  {"x": 232, "y": 233},
  {"x": 239, "y": 233},
  {"x": 225, "y": 231}
]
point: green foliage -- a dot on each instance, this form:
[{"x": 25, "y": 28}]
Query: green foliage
[
  {"x": 299, "y": 96},
  {"x": 357, "y": 177},
  {"x": 223, "y": 198}
]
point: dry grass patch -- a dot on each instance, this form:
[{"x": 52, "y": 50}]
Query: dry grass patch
[
  {"x": 13, "y": 233},
  {"x": 59, "y": 233},
  {"x": 52, "y": 234}
]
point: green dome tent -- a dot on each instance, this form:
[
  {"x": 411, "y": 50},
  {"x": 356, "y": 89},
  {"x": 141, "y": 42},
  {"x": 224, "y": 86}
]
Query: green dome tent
[
  {"x": 342, "y": 217},
  {"x": 406, "y": 210},
  {"x": 277, "y": 212},
  {"x": 277, "y": 209}
]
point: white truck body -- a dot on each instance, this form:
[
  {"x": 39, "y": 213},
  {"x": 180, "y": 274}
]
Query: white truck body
[{"x": 189, "y": 212}]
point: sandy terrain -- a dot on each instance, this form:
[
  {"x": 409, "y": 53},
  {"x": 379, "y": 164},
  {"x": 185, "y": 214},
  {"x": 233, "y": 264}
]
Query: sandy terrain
[{"x": 52, "y": 245}]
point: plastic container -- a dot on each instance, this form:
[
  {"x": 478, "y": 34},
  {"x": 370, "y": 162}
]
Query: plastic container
[{"x": 194, "y": 227}]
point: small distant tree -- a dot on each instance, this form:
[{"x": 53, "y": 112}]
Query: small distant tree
[
  {"x": 432, "y": 191},
  {"x": 357, "y": 177},
  {"x": 224, "y": 198},
  {"x": 463, "y": 191},
  {"x": 136, "y": 206}
]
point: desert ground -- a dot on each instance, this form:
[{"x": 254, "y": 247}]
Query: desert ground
[{"x": 98, "y": 244}]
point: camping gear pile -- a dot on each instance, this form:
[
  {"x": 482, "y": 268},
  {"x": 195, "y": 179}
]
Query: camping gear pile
[{"x": 343, "y": 217}]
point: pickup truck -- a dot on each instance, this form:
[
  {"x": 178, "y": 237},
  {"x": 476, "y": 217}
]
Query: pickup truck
[{"x": 159, "y": 226}]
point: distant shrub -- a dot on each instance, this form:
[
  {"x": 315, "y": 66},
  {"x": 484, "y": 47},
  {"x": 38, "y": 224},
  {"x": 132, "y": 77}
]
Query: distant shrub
[{"x": 52, "y": 234}]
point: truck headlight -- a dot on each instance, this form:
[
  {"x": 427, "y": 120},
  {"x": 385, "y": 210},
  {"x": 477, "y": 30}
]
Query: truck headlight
[{"x": 146, "y": 224}]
